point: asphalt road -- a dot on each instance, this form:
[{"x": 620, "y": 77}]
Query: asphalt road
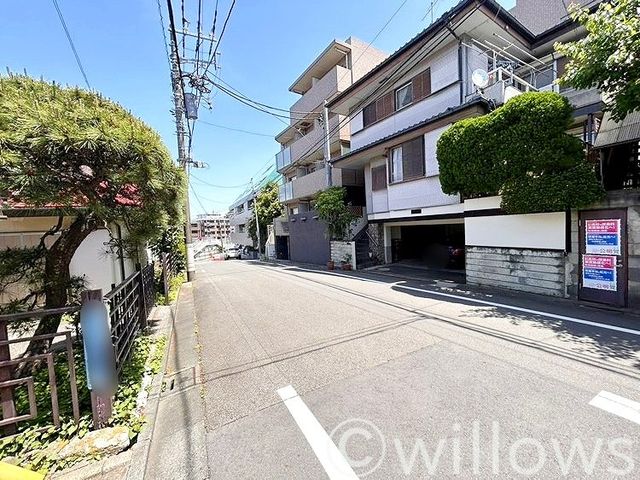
[{"x": 311, "y": 375}]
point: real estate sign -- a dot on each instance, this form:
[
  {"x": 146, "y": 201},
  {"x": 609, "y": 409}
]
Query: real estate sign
[
  {"x": 603, "y": 236},
  {"x": 599, "y": 272}
]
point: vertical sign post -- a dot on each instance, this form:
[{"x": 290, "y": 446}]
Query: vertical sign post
[{"x": 99, "y": 356}]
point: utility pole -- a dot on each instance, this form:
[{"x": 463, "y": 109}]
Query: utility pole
[
  {"x": 255, "y": 212},
  {"x": 327, "y": 146},
  {"x": 179, "y": 106}
]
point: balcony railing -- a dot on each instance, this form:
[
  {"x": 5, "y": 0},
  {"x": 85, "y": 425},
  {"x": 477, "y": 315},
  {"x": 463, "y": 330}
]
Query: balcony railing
[
  {"x": 286, "y": 192},
  {"x": 283, "y": 158}
]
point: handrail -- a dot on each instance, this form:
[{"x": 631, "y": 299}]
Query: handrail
[
  {"x": 12, "y": 317},
  {"x": 500, "y": 71}
]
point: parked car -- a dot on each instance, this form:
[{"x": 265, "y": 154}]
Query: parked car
[{"x": 232, "y": 252}]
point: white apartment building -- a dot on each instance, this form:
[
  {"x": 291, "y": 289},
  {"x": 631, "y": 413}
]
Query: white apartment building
[{"x": 399, "y": 110}]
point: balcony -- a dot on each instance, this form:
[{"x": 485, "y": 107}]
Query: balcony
[
  {"x": 307, "y": 186},
  {"x": 283, "y": 158},
  {"x": 285, "y": 192},
  {"x": 336, "y": 80},
  {"x": 312, "y": 144}
]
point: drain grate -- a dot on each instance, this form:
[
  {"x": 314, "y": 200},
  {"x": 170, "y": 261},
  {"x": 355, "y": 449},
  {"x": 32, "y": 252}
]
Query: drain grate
[{"x": 176, "y": 381}]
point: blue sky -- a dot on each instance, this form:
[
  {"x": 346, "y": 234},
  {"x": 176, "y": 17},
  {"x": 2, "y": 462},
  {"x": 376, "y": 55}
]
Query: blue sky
[{"x": 267, "y": 44}]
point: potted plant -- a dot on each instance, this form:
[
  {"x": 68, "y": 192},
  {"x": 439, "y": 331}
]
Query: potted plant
[
  {"x": 346, "y": 262},
  {"x": 331, "y": 265}
]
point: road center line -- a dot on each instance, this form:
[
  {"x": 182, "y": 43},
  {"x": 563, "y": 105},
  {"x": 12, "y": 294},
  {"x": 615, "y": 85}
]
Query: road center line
[
  {"x": 620, "y": 406},
  {"x": 333, "y": 462}
]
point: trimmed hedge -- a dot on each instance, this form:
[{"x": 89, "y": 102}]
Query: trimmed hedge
[{"x": 522, "y": 152}]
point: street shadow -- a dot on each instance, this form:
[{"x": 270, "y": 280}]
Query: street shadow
[{"x": 587, "y": 339}]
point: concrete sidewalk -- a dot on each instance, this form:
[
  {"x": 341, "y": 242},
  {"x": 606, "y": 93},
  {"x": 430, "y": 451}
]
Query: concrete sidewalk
[{"x": 177, "y": 443}]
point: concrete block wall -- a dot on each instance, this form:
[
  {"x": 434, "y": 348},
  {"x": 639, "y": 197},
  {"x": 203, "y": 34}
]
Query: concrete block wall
[
  {"x": 534, "y": 271},
  {"x": 340, "y": 249}
]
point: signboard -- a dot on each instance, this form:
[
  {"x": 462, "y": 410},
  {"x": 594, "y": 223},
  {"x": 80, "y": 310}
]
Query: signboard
[
  {"x": 602, "y": 236},
  {"x": 599, "y": 272}
]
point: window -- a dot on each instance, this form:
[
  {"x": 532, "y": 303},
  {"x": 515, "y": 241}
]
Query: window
[
  {"x": 379, "y": 178},
  {"x": 241, "y": 228},
  {"x": 418, "y": 88},
  {"x": 369, "y": 114},
  {"x": 396, "y": 165},
  {"x": 404, "y": 96},
  {"x": 406, "y": 161}
]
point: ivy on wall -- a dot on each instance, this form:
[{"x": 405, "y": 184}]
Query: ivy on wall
[{"x": 522, "y": 152}]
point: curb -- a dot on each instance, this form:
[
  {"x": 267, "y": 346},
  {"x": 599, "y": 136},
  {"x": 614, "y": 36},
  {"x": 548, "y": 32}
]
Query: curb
[{"x": 140, "y": 450}]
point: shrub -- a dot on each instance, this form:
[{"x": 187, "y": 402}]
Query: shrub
[{"x": 521, "y": 151}]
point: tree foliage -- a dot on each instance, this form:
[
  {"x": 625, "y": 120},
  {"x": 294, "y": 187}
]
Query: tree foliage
[
  {"x": 91, "y": 162},
  {"x": 608, "y": 57},
  {"x": 268, "y": 207},
  {"x": 333, "y": 210},
  {"x": 522, "y": 152}
]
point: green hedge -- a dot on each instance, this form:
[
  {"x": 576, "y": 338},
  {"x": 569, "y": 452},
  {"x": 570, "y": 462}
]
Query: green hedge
[{"x": 521, "y": 151}]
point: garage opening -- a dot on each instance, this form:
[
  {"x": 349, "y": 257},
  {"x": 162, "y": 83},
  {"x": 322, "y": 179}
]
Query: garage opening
[{"x": 432, "y": 246}]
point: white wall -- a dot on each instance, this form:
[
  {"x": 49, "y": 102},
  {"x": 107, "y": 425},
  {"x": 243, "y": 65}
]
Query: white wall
[
  {"x": 406, "y": 117},
  {"x": 444, "y": 72},
  {"x": 92, "y": 261},
  {"x": 534, "y": 231},
  {"x": 423, "y": 193}
]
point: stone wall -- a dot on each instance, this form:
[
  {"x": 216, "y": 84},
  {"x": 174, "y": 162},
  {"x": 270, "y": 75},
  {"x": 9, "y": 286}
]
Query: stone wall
[
  {"x": 534, "y": 271},
  {"x": 376, "y": 231},
  {"x": 341, "y": 249}
]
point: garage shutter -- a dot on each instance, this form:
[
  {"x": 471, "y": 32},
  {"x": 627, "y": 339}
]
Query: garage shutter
[
  {"x": 379, "y": 178},
  {"x": 413, "y": 158},
  {"x": 422, "y": 85}
]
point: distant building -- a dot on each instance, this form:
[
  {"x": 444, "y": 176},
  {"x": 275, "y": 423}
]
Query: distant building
[
  {"x": 241, "y": 210},
  {"x": 211, "y": 227}
]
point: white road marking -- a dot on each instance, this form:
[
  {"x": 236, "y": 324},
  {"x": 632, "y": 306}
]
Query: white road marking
[
  {"x": 620, "y": 406},
  {"x": 492, "y": 304},
  {"x": 526, "y": 310},
  {"x": 330, "y": 457}
]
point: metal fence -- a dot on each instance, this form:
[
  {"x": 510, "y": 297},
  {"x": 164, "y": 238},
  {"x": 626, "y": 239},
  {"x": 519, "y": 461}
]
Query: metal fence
[{"x": 128, "y": 304}]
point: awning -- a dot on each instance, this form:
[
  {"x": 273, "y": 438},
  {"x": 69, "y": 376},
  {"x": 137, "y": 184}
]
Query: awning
[{"x": 614, "y": 133}]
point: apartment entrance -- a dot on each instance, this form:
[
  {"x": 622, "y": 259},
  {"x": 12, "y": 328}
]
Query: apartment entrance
[
  {"x": 603, "y": 257},
  {"x": 438, "y": 246}
]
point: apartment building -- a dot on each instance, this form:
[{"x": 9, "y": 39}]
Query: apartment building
[
  {"x": 240, "y": 212},
  {"x": 399, "y": 110},
  {"x": 213, "y": 227},
  {"x": 299, "y": 234}
]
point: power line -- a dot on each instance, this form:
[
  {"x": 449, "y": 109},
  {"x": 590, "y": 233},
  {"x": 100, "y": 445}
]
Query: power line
[
  {"x": 390, "y": 79},
  {"x": 224, "y": 27},
  {"x": 286, "y": 110},
  {"x": 73, "y": 47},
  {"x": 237, "y": 129},
  {"x": 252, "y": 105},
  {"x": 218, "y": 186}
]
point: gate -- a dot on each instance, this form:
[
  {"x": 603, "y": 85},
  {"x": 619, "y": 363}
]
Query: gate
[{"x": 603, "y": 256}]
